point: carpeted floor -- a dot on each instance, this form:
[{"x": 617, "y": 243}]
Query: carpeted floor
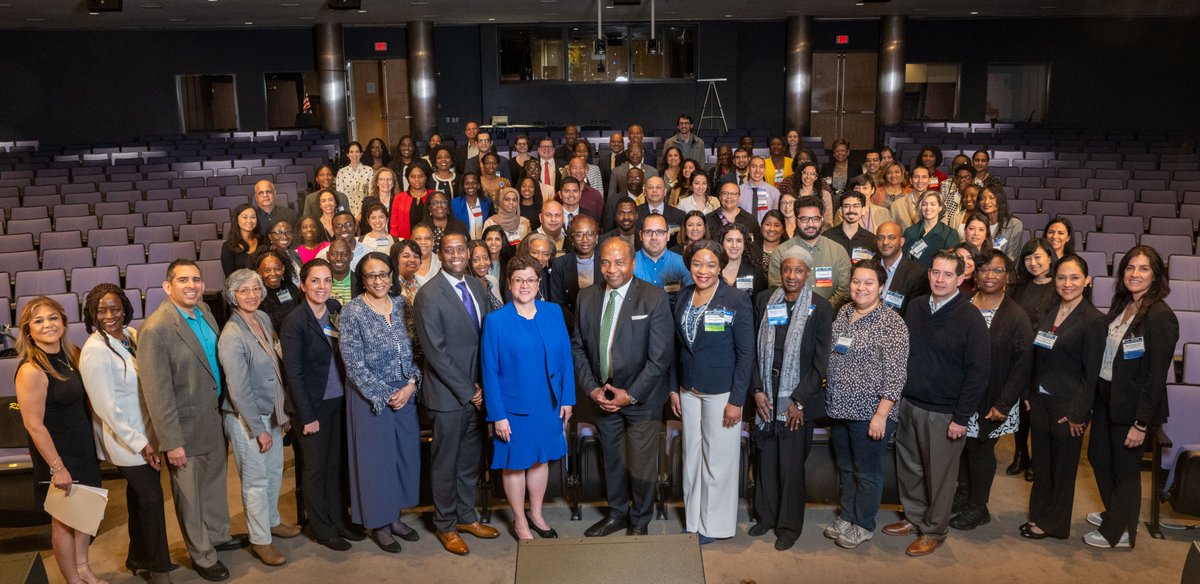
[{"x": 991, "y": 553}]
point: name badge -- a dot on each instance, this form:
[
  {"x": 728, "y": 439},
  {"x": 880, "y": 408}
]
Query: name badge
[
  {"x": 382, "y": 242},
  {"x": 745, "y": 283},
  {"x": 999, "y": 241},
  {"x": 842, "y": 345},
  {"x": 714, "y": 321},
  {"x": 919, "y": 248},
  {"x": 1133, "y": 348},
  {"x": 861, "y": 253},
  {"x": 1045, "y": 340},
  {"x": 1042, "y": 390},
  {"x": 761, "y": 194},
  {"x": 811, "y": 309},
  {"x": 283, "y": 296},
  {"x": 778, "y": 176},
  {"x": 893, "y": 299},
  {"x": 824, "y": 275},
  {"x": 330, "y": 332},
  {"x": 477, "y": 212},
  {"x": 671, "y": 288},
  {"x": 777, "y": 314}
]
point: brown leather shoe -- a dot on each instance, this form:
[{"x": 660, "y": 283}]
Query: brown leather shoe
[
  {"x": 902, "y": 527},
  {"x": 285, "y": 531},
  {"x": 923, "y": 546},
  {"x": 478, "y": 530},
  {"x": 268, "y": 554},
  {"x": 453, "y": 543}
]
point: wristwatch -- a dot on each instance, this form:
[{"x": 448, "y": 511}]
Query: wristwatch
[{"x": 632, "y": 400}]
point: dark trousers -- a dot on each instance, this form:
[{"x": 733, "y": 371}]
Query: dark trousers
[
  {"x": 629, "y": 445},
  {"x": 1055, "y": 462},
  {"x": 454, "y": 467},
  {"x": 324, "y": 467},
  {"x": 779, "y": 489},
  {"x": 147, "y": 520},
  {"x": 977, "y": 470},
  {"x": 1118, "y": 472},
  {"x": 1021, "y": 438},
  {"x": 860, "y": 468}
]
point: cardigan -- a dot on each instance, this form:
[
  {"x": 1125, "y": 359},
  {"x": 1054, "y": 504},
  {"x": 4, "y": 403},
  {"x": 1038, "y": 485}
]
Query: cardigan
[{"x": 948, "y": 356}]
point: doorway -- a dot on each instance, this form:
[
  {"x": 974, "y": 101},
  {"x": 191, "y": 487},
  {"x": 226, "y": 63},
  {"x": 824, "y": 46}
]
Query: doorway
[
  {"x": 207, "y": 103},
  {"x": 843, "y": 98},
  {"x": 379, "y": 102},
  {"x": 1017, "y": 92}
]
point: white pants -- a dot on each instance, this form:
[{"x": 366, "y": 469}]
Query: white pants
[
  {"x": 261, "y": 474},
  {"x": 710, "y": 465}
]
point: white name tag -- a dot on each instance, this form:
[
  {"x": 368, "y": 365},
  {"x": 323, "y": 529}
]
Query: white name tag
[
  {"x": 919, "y": 248},
  {"x": 745, "y": 283},
  {"x": 861, "y": 253},
  {"x": 382, "y": 242},
  {"x": 283, "y": 296},
  {"x": 330, "y": 332},
  {"x": 715, "y": 320},
  {"x": 1045, "y": 339},
  {"x": 1133, "y": 348},
  {"x": 893, "y": 299},
  {"x": 1000, "y": 241},
  {"x": 843, "y": 345},
  {"x": 777, "y": 314},
  {"x": 824, "y": 275}
]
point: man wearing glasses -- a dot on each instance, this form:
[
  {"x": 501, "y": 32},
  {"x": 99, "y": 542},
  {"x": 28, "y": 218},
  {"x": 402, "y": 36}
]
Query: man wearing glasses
[
  {"x": 830, "y": 275},
  {"x": 268, "y": 212},
  {"x": 345, "y": 227},
  {"x": 656, "y": 264},
  {"x": 850, "y": 234}
]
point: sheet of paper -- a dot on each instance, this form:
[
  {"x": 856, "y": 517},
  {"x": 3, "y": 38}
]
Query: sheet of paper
[{"x": 82, "y": 509}]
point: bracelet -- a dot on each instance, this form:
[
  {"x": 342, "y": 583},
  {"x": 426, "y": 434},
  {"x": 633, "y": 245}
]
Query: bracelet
[{"x": 1141, "y": 429}]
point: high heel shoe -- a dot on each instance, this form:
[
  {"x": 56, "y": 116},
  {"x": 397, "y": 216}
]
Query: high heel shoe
[
  {"x": 404, "y": 532},
  {"x": 547, "y": 533}
]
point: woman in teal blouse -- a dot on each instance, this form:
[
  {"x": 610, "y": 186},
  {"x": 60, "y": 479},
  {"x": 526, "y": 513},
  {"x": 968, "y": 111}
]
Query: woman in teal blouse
[{"x": 924, "y": 239}]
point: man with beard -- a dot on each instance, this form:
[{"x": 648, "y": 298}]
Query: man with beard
[{"x": 830, "y": 276}]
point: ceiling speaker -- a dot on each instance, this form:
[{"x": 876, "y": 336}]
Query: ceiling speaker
[
  {"x": 345, "y": 4},
  {"x": 104, "y": 5}
]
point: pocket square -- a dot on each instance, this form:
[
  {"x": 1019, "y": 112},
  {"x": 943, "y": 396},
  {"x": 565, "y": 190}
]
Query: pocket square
[{"x": 639, "y": 316}]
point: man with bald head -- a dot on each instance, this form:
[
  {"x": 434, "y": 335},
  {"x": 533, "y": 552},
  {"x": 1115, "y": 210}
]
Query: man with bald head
[
  {"x": 635, "y": 181},
  {"x": 635, "y": 158},
  {"x": 656, "y": 204},
  {"x": 613, "y": 158},
  {"x": 553, "y": 222},
  {"x": 590, "y": 198},
  {"x": 267, "y": 210},
  {"x": 623, "y": 346},
  {"x": 906, "y": 279}
]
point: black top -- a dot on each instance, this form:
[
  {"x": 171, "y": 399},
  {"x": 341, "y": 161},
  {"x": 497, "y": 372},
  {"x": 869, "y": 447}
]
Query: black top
[
  {"x": 532, "y": 212},
  {"x": 749, "y": 270},
  {"x": 814, "y": 352},
  {"x": 1011, "y": 339},
  {"x": 279, "y": 303},
  {"x": 69, "y": 423},
  {"x": 1139, "y": 386},
  {"x": 1036, "y": 299},
  {"x": 1070, "y": 371},
  {"x": 910, "y": 281},
  {"x": 714, "y": 225},
  {"x": 863, "y": 239},
  {"x": 233, "y": 259},
  {"x": 947, "y": 357},
  {"x": 307, "y": 353}
]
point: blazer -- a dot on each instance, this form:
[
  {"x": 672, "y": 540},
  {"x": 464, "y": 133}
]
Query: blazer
[
  {"x": 712, "y": 222},
  {"x": 120, "y": 423},
  {"x": 178, "y": 383},
  {"x": 910, "y": 280},
  {"x": 458, "y": 207},
  {"x": 1011, "y": 338},
  {"x": 1139, "y": 386},
  {"x": 306, "y": 352},
  {"x": 605, "y": 162},
  {"x": 673, "y": 215},
  {"x": 617, "y": 183},
  {"x": 253, "y": 377},
  {"x": 503, "y": 391},
  {"x": 814, "y": 354},
  {"x": 718, "y": 362},
  {"x": 1071, "y": 370},
  {"x": 752, "y": 268},
  {"x": 449, "y": 341},
  {"x": 563, "y": 288},
  {"x": 643, "y": 345}
]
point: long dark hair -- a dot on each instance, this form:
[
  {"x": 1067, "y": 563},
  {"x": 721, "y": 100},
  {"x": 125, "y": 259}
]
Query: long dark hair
[
  {"x": 1003, "y": 215},
  {"x": 1031, "y": 246},
  {"x": 92, "y": 304},
  {"x": 256, "y": 260},
  {"x": 235, "y": 239},
  {"x": 384, "y": 157},
  {"x": 394, "y": 261},
  {"x": 507, "y": 250},
  {"x": 1159, "y": 288},
  {"x": 1069, "y": 247}
]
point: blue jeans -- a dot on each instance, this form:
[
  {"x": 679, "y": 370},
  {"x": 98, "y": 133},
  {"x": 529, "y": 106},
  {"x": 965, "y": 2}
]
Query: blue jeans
[{"x": 860, "y": 467}]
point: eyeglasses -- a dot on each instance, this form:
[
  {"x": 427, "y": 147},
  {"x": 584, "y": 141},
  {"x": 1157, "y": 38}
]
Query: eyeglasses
[
  {"x": 438, "y": 203},
  {"x": 520, "y": 282},
  {"x": 654, "y": 232},
  {"x": 378, "y": 277},
  {"x": 281, "y": 233},
  {"x": 816, "y": 219},
  {"x": 584, "y": 235},
  {"x": 255, "y": 291},
  {"x": 995, "y": 271}
]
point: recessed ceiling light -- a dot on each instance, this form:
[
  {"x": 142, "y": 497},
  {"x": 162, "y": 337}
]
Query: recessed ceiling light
[
  {"x": 859, "y": 3},
  {"x": 974, "y": 12},
  {"x": 728, "y": 16},
  {"x": 248, "y": 22},
  {"x": 491, "y": 19},
  {"x": 362, "y": 11},
  {"x": 94, "y": 13}
]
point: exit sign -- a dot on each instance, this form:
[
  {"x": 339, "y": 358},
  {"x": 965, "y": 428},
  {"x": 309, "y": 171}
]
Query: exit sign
[
  {"x": 382, "y": 47},
  {"x": 841, "y": 39}
]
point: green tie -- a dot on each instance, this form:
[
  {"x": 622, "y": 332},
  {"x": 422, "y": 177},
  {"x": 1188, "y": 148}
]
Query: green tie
[{"x": 606, "y": 325}]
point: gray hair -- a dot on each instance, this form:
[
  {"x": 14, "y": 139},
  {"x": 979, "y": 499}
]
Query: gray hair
[
  {"x": 235, "y": 281},
  {"x": 796, "y": 252}
]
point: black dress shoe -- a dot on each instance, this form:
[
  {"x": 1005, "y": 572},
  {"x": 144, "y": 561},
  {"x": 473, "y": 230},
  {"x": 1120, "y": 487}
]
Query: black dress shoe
[
  {"x": 404, "y": 532},
  {"x": 784, "y": 543},
  {"x": 238, "y": 542},
  {"x": 971, "y": 517},
  {"x": 135, "y": 567},
  {"x": 606, "y": 526},
  {"x": 335, "y": 543},
  {"x": 547, "y": 533},
  {"x": 960, "y": 502},
  {"x": 1028, "y": 533},
  {"x": 353, "y": 534},
  {"x": 214, "y": 573},
  {"x": 635, "y": 530},
  {"x": 383, "y": 538},
  {"x": 1015, "y": 468},
  {"x": 758, "y": 530},
  {"x": 1029, "y": 475}
]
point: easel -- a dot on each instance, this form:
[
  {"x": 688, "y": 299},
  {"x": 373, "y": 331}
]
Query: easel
[{"x": 716, "y": 98}]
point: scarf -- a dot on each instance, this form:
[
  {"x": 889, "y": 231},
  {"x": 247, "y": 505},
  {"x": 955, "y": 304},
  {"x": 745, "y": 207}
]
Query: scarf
[
  {"x": 789, "y": 374},
  {"x": 509, "y": 221}
]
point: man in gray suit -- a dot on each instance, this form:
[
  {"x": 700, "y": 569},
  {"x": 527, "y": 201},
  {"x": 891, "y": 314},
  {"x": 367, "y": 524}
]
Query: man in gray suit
[
  {"x": 181, "y": 381},
  {"x": 449, "y": 317},
  {"x": 636, "y": 156},
  {"x": 624, "y": 346}
]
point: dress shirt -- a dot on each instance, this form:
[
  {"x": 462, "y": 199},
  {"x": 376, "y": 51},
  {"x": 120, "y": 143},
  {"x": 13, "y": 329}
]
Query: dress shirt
[
  {"x": 935, "y": 306},
  {"x": 207, "y": 338},
  {"x": 617, "y": 303},
  {"x": 749, "y": 200},
  {"x": 668, "y": 269}
]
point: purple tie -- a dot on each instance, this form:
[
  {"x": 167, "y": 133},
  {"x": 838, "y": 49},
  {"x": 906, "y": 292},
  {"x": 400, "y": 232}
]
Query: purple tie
[{"x": 469, "y": 303}]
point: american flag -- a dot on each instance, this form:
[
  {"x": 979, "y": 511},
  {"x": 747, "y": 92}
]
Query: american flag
[{"x": 307, "y": 105}]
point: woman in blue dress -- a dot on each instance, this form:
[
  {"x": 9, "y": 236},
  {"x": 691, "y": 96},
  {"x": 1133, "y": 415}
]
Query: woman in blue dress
[{"x": 529, "y": 392}]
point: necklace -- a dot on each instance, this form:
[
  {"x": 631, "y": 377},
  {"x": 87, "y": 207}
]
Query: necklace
[{"x": 380, "y": 310}]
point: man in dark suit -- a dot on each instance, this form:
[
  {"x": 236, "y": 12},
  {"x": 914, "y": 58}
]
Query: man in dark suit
[
  {"x": 626, "y": 224},
  {"x": 267, "y": 211},
  {"x": 613, "y": 158},
  {"x": 636, "y": 157},
  {"x": 656, "y": 204},
  {"x": 468, "y": 150},
  {"x": 906, "y": 278},
  {"x": 181, "y": 381},
  {"x": 565, "y": 270},
  {"x": 483, "y": 141},
  {"x": 623, "y": 345},
  {"x": 448, "y": 319},
  {"x": 549, "y": 178},
  {"x": 567, "y": 150}
]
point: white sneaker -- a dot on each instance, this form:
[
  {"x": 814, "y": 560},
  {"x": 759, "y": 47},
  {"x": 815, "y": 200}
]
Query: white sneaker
[
  {"x": 837, "y": 528},
  {"x": 1094, "y": 539},
  {"x": 852, "y": 537},
  {"x": 1095, "y": 518}
]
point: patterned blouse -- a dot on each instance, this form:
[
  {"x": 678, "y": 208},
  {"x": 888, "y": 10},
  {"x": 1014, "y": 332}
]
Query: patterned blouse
[
  {"x": 355, "y": 183},
  {"x": 874, "y": 368},
  {"x": 378, "y": 354}
]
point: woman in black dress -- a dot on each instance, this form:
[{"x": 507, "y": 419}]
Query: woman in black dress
[
  {"x": 1034, "y": 292},
  {"x": 54, "y": 410}
]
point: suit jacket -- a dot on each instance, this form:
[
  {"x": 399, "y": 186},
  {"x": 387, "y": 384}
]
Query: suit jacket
[
  {"x": 254, "y": 379},
  {"x": 605, "y": 162},
  {"x": 563, "y": 288},
  {"x": 609, "y": 220},
  {"x": 674, "y": 216},
  {"x": 911, "y": 280},
  {"x": 503, "y": 391},
  {"x": 717, "y": 362},
  {"x": 178, "y": 383},
  {"x": 616, "y": 184},
  {"x": 555, "y": 174},
  {"x": 121, "y": 423},
  {"x": 814, "y": 354},
  {"x": 1139, "y": 386},
  {"x": 458, "y": 208},
  {"x": 1070, "y": 371},
  {"x": 449, "y": 341},
  {"x": 643, "y": 345},
  {"x": 306, "y": 352}
]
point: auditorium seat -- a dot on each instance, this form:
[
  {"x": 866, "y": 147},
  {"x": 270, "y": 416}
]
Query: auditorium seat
[
  {"x": 1123, "y": 224},
  {"x": 69, "y": 302},
  {"x": 71, "y": 210},
  {"x": 211, "y": 249},
  {"x": 1168, "y": 245},
  {"x": 19, "y": 261},
  {"x": 213, "y": 274},
  {"x": 1109, "y": 243},
  {"x": 1148, "y": 210},
  {"x": 170, "y": 251},
  {"x": 1185, "y": 267},
  {"x": 16, "y": 242},
  {"x": 1184, "y": 296},
  {"x": 198, "y": 232},
  {"x": 84, "y": 279},
  {"x": 127, "y": 221},
  {"x": 155, "y": 234},
  {"x": 1103, "y": 208},
  {"x": 34, "y": 227},
  {"x": 154, "y": 297},
  {"x": 1056, "y": 207},
  {"x": 1171, "y": 226},
  {"x": 103, "y": 237},
  {"x": 42, "y": 281},
  {"x": 120, "y": 255},
  {"x": 1103, "y": 288},
  {"x": 67, "y": 259},
  {"x": 1189, "y": 331},
  {"x": 145, "y": 277}
]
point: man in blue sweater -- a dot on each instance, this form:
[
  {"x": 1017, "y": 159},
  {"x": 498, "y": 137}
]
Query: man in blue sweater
[{"x": 947, "y": 376}]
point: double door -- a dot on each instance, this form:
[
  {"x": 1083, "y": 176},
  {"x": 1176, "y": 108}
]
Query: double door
[
  {"x": 843, "y": 98},
  {"x": 379, "y": 101}
]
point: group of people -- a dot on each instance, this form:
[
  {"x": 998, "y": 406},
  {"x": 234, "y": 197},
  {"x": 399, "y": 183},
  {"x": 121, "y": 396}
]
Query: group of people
[{"x": 776, "y": 304}]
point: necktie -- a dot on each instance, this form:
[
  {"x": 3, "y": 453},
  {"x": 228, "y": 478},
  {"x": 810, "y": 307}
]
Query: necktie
[
  {"x": 655, "y": 211},
  {"x": 546, "y": 174},
  {"x": 469, "y": 303},
  {"x": 606, "y": 326}
]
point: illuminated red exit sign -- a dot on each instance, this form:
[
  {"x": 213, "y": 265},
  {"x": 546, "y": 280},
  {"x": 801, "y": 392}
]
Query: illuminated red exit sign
[
  {"x": 382, "y": 47},
  {"x": 841, "y": 39}
]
